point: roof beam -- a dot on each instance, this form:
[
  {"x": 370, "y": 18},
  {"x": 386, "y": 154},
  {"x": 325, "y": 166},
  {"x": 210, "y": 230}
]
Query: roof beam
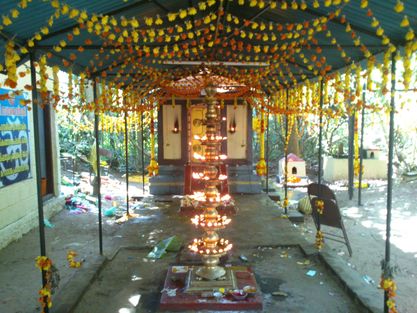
[
  {"x": 113, "y": 12},
  {"x": 251, "y": 19},
  {"x": 338, "y": 21},
  {"x": 20, "y": 43},
  {"x": 156, "y": 2}
]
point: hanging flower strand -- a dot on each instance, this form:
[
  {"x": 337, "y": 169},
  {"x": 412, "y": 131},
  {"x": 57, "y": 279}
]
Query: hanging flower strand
[
  {"x": 319, "y": 205},
  {"x": 261, "y": 165},
  {"x": 11, "y": 58},
  {"x": 45, "y": 293},
  {"x": 42, "y": 80},
  {"x": 388, "y": 284},
  {"x": 153, "y": 167}
]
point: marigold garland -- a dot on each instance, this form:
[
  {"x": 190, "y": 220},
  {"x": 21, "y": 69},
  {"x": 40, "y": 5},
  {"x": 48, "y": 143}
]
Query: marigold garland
[
  {"x": 319, "y": 206},
  {"x": 285, "y": 203},
  {"x": 45, "y": 293},
  {"x": 319, "y": 240},
  {"x": 389, "y": 286},
  {"x": 71, "y": 259},
  {"x": 153, "y": 167},
  {"x": 261, "y": 168},
  {"x": 11, "y": 58}
]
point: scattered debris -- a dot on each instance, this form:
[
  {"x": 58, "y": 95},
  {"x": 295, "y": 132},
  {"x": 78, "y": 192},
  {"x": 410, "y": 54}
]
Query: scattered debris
[
  {"x": 368, "y": 280},
  {"x": 304, "y": 263},
  {"x": 48, "y": 224},
  {"x": 280, "y": 294},
  {"x": 284, "y": 254},
  {"x": 170, "y": 292},
  {"x": 311, "y": 273},
  {"x": 77, "y": 203},
  {"x": 171, "y": 244},
  {"x": 110, "y": 212}
]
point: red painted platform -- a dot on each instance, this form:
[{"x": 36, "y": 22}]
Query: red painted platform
[
  {"x": 191, "y": 211},
  {"x": 182, "y": 300}
]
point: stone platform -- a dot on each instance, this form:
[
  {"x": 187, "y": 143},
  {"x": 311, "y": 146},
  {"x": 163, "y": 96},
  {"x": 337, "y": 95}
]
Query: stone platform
[{"x": 189, "y": 297}]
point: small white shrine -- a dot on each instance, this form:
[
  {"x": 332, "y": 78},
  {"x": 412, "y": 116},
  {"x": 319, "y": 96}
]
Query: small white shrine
[{"x": 296, "y": 166}]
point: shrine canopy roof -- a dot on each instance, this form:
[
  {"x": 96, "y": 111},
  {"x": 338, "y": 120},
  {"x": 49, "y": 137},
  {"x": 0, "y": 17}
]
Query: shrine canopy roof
[{"x": 149, "y": 47}]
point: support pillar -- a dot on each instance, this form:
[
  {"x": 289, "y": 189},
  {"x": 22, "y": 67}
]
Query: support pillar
[
  {"x": 389, "y": 178},
  {"x": 143, "y": 153},
  {"x": 96, "y": 136},
  {"x": 35, "y": 105},
  {"x": 351, "y": 125},
  {"x": 127, "y": 164},
  {"x": 361, "y": 150}
]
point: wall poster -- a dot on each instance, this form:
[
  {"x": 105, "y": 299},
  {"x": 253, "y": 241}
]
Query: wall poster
[{"x": 14, "y": 140}]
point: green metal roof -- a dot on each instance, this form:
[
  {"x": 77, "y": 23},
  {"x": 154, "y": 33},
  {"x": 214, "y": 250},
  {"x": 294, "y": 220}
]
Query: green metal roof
[{"x": 37, "y": 13}]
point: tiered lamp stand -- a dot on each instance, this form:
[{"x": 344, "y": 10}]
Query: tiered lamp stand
[{"x": 210, "y": 286}]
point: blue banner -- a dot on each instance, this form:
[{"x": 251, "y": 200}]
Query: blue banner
[{"x": 14, "y": 140}]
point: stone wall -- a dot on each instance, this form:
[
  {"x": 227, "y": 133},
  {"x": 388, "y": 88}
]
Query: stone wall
[{"x": 18, "y": 202}]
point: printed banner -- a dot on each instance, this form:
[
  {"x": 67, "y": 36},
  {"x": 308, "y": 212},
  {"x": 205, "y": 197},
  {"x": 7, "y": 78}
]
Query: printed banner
[{"x": 14, "y": 140}]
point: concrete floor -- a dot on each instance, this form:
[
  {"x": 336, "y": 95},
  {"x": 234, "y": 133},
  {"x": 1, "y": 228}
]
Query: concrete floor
[{"x": 275, "y": 249}]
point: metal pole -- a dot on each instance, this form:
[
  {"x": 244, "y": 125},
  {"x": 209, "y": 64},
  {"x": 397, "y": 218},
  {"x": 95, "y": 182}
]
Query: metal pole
[
  {"x": 38, "y": 165},
  {"x": 351, "y": 126},
  {"x": 320, "y": 145},
  {"x": 320, "y": 132},
  {"x": 286, "y": 154},
  {"x": 361, "y": 150},
  {"x": 389, "y": 178},
  {"x": 143, "y": 154},
  {"x": 267, "y": 153},
  {"x": 96, "y": 135},
  {"x": 127, "y": 164}
]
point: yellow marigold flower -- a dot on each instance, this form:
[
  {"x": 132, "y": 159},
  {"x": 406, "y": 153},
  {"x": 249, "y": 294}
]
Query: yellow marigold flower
[
  {"x": 23, "y": 4},
  {"x": 399, "y": 6},
  {"x": 183, "y": 14},
  {"x": 294, "y": 5},
  {"x": 15, "y": 13},
  {"x": 105, "y": 20},
  {"x": 405, "y": 22},
  {"x": 192, "y": 11},
  {"x": 158, "y": 20},
  {"x": 74, "y": 13},
  {"x": 364, "y": 4},
  {"x": 84, "y": 16},
  {"x": 410, "y": 35},
  {"x": 124, "y": 22},
  {"x": 65, "y": 9},
  {"x": 202, "y": 6},
  {"x": 172, "y": 17},
  {"x": 6, "y": 20}
]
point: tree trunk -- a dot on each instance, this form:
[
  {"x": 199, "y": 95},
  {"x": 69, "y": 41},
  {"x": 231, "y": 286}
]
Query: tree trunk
[{"x": 294, "y": 142}]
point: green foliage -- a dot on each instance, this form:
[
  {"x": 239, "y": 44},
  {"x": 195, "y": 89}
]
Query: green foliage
[{"x": 76, "y": 136}]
